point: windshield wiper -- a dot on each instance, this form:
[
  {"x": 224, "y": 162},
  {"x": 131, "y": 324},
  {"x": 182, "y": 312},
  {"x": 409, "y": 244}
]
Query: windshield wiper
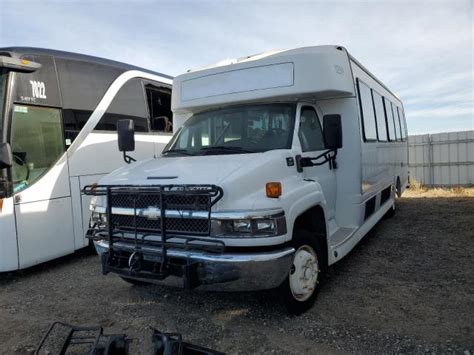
[
  {"x": 223, "y": 148},
  {"x": 179, "y": 151}
]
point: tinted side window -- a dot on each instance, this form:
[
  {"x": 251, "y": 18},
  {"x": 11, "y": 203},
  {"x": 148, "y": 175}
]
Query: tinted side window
[
  {"x": 380, "y": 116},
  {"x": 396, "y": 122},
  {"x": 310, "y": 132},
  {"x": 402, "y": 123},
  {"x": 159, "y": 106},
  {"x": 129, "y": 103},
  {"x": 389, "y": 120},
  {"x": 369, "y": 125},
  {"x": 73, "y": 121}
]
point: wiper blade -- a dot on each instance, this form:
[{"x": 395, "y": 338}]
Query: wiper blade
[
  {"x": 181, "y": 151},
  {"x": 227, "y": 148}
]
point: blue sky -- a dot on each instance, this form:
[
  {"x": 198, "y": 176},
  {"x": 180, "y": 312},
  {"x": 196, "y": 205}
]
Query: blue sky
[{"x": 422, "y": 50}]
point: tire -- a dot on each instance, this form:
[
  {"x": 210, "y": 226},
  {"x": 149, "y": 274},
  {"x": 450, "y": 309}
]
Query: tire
[
  {"x": 135, "y": 282},
  {"x": 308, "y": 251},
  {"x": 391, "y": 212},
  {"x": 398, "y": 188}
]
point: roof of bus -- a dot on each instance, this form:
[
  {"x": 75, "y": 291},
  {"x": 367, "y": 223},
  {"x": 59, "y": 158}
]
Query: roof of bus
[
  {"x": 19, "y": 51},
  {"x": 289, "y": 51}
]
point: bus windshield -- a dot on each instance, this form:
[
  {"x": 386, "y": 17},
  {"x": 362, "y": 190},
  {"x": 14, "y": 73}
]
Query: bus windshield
[
  {"x": 242, "y": 129},
  {"x": 36, "y": 141}
]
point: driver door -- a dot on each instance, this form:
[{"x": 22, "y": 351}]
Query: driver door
[
  {"x": 310, "y": 134},
  {"x": 42, "y": 198}
]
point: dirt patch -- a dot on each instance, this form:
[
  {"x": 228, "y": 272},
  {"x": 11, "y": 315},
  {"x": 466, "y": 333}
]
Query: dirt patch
[{"x": 407, "y": 287}]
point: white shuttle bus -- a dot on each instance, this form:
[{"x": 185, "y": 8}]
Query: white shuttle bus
[
  {"x": 282, "y": 162},
  {"x": 58, "y": 114}
]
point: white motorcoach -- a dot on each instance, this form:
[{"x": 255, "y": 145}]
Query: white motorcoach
[
  {"x": 282, "y": 163},
  {"x": 58, "y": 114}
]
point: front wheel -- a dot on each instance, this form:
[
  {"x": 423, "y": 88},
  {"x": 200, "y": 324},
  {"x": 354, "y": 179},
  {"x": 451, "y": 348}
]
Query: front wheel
[{"x": 299, "y": 290}]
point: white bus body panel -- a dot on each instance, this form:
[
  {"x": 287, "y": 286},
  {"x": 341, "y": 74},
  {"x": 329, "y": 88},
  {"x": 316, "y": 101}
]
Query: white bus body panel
[
  {"x": 9, "y": 249},
  {"x": 324, "y": 76},
  {"x": 51, "y": 215},
  {"x": 44, "y": 217}
]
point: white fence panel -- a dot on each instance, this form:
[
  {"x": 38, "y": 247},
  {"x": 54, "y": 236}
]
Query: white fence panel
[{"x": 442, "y": 159}]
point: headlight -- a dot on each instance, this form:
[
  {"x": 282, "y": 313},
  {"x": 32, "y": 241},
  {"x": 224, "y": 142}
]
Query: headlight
[
  {"x": 93, "y": 203},
  {"x": 249, "y": 227},
  {"x": 266, "y": 225},
  {"x": 97, "y": 201},
  {"x": 242, "y": 226}
]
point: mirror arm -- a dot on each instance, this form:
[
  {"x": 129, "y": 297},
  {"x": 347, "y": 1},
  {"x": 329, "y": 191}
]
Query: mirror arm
[
  {"x": 127, "y": 158},
  {"x": 328, "y": 157}
]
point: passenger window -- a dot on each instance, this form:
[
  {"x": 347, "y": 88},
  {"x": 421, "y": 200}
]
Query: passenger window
[
  {"x": 401, "y": 122},
  {"x": 404, "y": 124},
  {"x": 380, "y": 116},
  {"x": 129, "y": 103},
  {"x": 369, "y": 125},
  {"x": 396, "y": 122},
  {"x": 389, "y": 120},
  {"x": 310, "y": 132},
  {"x": 159, "y": 106},
  {"x": 74, "y": 121}
]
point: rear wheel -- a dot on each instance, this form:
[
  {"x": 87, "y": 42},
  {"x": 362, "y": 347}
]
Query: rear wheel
[{"x": 299, "y": 290}]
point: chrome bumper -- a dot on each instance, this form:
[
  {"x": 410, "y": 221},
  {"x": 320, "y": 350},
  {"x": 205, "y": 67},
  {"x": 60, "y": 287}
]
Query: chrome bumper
[{"x": 225, "y": 271}]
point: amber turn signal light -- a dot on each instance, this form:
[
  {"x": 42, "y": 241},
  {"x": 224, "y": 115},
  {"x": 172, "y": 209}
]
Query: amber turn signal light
[{"x": 273, "y": 189}]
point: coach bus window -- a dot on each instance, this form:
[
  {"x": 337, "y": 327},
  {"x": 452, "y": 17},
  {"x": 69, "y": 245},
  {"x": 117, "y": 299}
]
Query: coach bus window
[
  {"x": 159, "y": 106},
  {"x": 73, "y": 121},
  {"x": 389, "y": 116},
  {"x": 37, "y": 143},
  {"x": 369, "y": 125},
  {"x": 310, "y": 133},
  {"x": 380, "y": 116},
  {"x": 129, "y": 103}
]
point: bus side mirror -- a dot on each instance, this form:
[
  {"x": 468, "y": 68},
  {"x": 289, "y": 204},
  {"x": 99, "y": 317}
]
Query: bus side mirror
[
  {"x": 332, "y": 131},
  {"x": 126, "y": 135},
  {"x": 6, "y": 158},
  {"x": 126, "y": 138}
]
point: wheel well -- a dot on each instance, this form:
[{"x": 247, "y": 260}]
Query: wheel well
[
  {"x": 313, "y": 220},
  {"x": 398, "y": 187}
]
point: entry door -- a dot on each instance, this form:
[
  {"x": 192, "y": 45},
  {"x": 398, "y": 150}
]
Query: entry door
[
  {"x": 41, "y": 185},
  {"x": 311, "y": 139}
]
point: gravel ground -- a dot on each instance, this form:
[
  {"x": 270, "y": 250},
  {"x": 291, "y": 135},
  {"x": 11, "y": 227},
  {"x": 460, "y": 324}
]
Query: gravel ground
[{"x": 407, "y": 287}]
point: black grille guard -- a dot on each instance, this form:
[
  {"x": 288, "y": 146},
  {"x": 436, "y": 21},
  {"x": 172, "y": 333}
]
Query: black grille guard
[{"x": 195, "y": 233}]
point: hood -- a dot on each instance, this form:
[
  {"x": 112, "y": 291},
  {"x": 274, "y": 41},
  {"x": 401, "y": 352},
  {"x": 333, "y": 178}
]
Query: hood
[{"x": 209, "y": 169}]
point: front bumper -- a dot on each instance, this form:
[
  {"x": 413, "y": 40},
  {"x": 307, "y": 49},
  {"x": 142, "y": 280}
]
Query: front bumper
[{"x": 222, "y": 271}]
